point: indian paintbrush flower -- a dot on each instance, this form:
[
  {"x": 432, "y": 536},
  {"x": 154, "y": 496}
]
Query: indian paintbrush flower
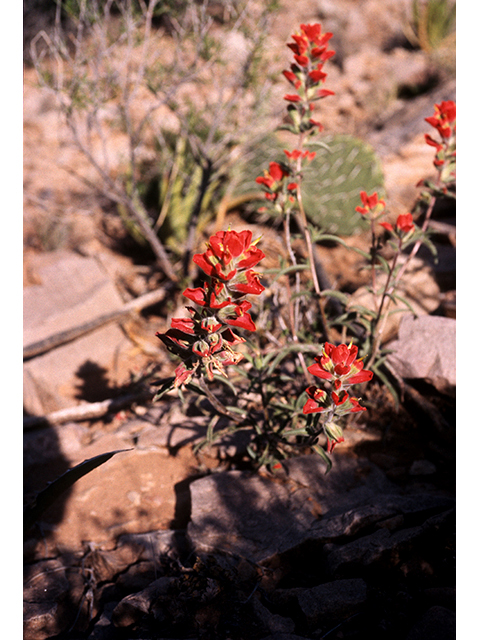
[
  {"x": 340, "y": 365},
  {"x": 204, "y": 341}
]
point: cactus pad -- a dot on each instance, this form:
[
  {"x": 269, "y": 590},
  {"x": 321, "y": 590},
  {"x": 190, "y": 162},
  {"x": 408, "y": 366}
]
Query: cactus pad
[{"x": 331, "y": 182}]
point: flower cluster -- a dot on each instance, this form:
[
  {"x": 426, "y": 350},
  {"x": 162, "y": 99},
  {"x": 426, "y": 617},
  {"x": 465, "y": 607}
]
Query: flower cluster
[
  {"x": 372, "y": 206},
  {"x": 279, "y": 181},
  {"x": 306, "y": 75},
  {"x": 275, "y": 181},
  {"x": 444, "y": 121},
  {"x": 403, "y": 226},
  {"x": 204, "y": 341},
  {"x": 340, "y": 366}
]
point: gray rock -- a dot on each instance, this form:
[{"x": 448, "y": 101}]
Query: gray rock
[
  {"x": 44, "y": 596},
  {"x": 260, "y": 517},
  {"x": 338, "y": 599},
  {"x": 133, "y": 607},
  {"x": 438, "y": 623},
  {"x": 155, "y": 544},
  {"x": 103, "y": 628},
  {"x": 73, "y": 290},
  {"x": 381, "y": 546},
  {"x": 425, "y": 350},
  {"x": 272, "y": 622},
  {"x": 422, "y": 468}
]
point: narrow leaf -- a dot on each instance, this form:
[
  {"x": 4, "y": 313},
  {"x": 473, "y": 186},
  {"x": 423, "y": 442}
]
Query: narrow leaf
[{"x": 49, "y": 495}]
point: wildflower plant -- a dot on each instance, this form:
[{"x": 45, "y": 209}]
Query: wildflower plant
[{"x": 293, "y": 391}]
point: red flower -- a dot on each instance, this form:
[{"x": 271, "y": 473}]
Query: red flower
[
  {"x": 292, "y": 97},
  {"x": 371, "y": 204},
  {"x": 403, "y": 225},
  {"x": 405, "y": 222},
  {"x": 340, "y": 365},
  {"x": 444, "y": 118},
  {"x": 316, "y": 400},
  {"x": 247, "y": 283},
  {"x": 228, "y": 251},
  {"x": 236, "y": 315}
]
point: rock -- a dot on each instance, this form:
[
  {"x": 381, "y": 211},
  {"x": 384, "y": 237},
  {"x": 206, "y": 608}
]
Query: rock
[
  {"x": 425, "y": 350},
  {"x": 73, "y": 290},
  {"x": 64, "y": 442},
  {"x": 284, "y": 636},
  {"x": 438, "y": 623},
  {"x": 155, "y": 544},
  {"x": 422, "y": 468},
  {"x": 258, "y": 517},
  {"x": 44, "y": 600},
  {"x": 382, "y": 546},
  {"x": 418, "y": 287},
  {"x": 339, "y": 599},
  {"x": 272, "y": 622},
  {"x": 133, "y": 607},
  {"x": 103, "y": 628},
  {"x": 134, "y": 491},
  {"x": 261, "y": 518},
  {"x": 108, "y": 564}
]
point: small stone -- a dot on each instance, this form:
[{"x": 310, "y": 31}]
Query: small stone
[
  {"x": 438, "y": 623},
  {"x": 338, "y": 599},
  {"x": 133, "y": 607},
  {"x": 425, "y": 350},
  {"x": 272, "y": 622},
  {"x": 422, "y": 468}
]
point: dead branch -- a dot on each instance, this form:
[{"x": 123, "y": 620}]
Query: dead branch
[
  {"x": 63, "y": 337},
  {"x": 87, "y": 411}
]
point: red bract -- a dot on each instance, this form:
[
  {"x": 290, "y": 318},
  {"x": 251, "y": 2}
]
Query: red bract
[
  {"x": 228, "y": 251},
  {"x": 247, "y": 283},
  {"x": 346, "y": 403},
  {"x": 206, "y": 296},
  {"x": 340, "y": 365},
  {"x": 236, "y": 315},
  {"x": 316, "y": 402},
  {"x": 444, "y": 118},
  {"x": 371, "y": 205},
  {"x": 403, "y": 225}
]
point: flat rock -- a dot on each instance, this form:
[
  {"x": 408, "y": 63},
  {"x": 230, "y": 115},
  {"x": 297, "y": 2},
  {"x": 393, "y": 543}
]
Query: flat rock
[
  {"x": 425, "y": 350},
  {"x": 338, "y": 599},
  {"x": 73, "y": 290},
  {"x": 437, "y": 623},
  {"x": 260, "y": 517},
  {"x": 44, "y": 596}
]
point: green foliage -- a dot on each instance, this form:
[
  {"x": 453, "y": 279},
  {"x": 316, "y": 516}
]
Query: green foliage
[{"x": 433, "y": 21}]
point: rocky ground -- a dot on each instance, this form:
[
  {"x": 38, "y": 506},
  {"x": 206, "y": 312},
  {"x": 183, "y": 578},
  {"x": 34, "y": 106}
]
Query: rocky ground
[{"x": 161, "y": 543}]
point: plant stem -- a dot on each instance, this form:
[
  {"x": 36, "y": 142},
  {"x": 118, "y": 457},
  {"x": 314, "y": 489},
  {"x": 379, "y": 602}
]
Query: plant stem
[{"x": 216, "y": 403}]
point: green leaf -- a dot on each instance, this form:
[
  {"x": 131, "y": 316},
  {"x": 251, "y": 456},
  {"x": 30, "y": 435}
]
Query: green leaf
[
  {"x": 322, "y": 453},
  {"x": 49, "y": 495},
  {"x": 165, "y": 388}
]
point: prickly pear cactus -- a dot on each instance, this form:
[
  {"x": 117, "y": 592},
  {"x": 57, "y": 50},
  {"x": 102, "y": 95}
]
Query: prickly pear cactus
[{"x": 331, "y": 182}]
